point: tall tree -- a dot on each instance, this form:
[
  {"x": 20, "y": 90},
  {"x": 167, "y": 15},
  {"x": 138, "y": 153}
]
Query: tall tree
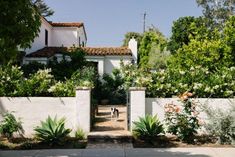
[
  {"x": 218, "y": 11},
  {"x": 129, "y": 35},
  {"x": 186, "y": 28},
  {"x": 19, "y": 25},
  {"x": 151, "y": 38},
  {"x": 43, "y": 8},
  {"x": 229, "y": 35}
]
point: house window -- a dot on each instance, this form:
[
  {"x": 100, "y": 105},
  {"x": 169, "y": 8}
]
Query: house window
[{"x": 46, "y": 37}]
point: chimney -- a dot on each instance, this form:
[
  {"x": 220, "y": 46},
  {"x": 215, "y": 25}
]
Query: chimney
[{"x": 132, "y": 45}]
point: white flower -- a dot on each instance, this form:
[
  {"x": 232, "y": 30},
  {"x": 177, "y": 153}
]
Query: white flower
[
  {"x": 207, "y": 89},
  {"x": 192, "y": 68},
  {"x": 182, "y": 72},
  {"x": 197, "y": 86},
  {"x": 216, "y": 87}
]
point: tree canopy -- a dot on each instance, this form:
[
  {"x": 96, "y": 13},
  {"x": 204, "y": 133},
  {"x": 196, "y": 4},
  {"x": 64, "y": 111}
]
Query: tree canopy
[
  {"x": 19, "y": 25},
  {"x": 129, "y": 35},
  {"x": 217, "y": 11},
  {"x": 151, "y": 38},
  {"x": 42, "y": 7},
  {"x": 187, "y": 28},
  {"x": 214, "y": 51}
]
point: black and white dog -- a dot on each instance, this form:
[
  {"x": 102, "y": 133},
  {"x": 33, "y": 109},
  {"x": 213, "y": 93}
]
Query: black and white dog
[{"x": 114, "y": 113}]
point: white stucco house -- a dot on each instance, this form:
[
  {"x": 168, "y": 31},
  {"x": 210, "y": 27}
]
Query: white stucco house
[{"x": 55, "y": 38}]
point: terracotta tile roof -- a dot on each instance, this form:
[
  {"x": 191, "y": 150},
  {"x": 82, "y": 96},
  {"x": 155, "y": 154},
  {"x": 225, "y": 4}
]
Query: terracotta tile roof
[
  {"x": 66, "y": 24},
  {"x": 90, "y": 51},
  {"x": 47, "y": 52},
  {"x": 103, "y": 51}
]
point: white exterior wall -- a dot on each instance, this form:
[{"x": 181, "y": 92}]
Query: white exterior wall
[
  {"x": 156, "y": 105},
  {"x": 32, "y": 110},
  {"x": 57, "y": 36},
  {"x": 39, "y": 42},
  {"x": 106, "y": 64},
  {"x": 112, "y": 62},
  {"x": 64, "y": 36}
]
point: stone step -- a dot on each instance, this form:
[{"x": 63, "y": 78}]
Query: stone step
[{"x": 109, "y": 140}]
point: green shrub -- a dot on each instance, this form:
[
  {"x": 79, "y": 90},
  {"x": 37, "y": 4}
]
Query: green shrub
[
  {"x": 80, "y": 134},
  {"x": 77, "y": 56},
  {"x": 38, "y": 84},
  {"x": 10, "y": 125},
  {"x": 111, "y": 87},
  {"x": 221, "y": 123},
  {"x": 148, "y": 127},
  {"x": 32, "y": 68},
  {"x": 172, "y": 81},
  {"x": 183, "y": 122},
  {"x": 52, "y": 131},
  {"x": 84, "y": 77},
  {"x": 63, "y": 89},
  {"x": 11, "y": 79}
]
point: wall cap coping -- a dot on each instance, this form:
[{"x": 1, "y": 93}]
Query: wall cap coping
[
  {"x": 137, "y": 88},
  {"x": 83, "y": 88}
]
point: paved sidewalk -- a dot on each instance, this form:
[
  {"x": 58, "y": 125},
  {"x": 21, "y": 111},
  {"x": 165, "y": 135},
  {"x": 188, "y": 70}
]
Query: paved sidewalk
[{"x": 143, "y": 152}]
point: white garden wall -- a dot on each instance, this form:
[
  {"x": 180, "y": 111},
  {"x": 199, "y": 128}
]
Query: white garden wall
[
  {"x": 155, "y": 106},
  {"x": 32, "y": 110}
]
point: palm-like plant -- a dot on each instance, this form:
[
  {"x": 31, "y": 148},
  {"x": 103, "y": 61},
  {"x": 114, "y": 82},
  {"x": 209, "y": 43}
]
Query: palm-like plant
[
  {"x": 52, "y": 131},
  {"x": 148, "y": 127}
]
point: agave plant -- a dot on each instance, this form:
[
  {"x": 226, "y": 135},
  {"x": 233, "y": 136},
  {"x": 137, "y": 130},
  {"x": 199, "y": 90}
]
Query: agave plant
[
  {"x": 148, "y": 127},
  {"x": 80, "y": 134},
  {"x": 52, "y": 131}
]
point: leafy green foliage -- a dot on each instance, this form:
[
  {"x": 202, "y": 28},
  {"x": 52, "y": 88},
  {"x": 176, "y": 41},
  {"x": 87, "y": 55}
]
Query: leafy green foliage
[
  {"x": 85, "y": 77},
  {"x": 211, "y": 54},
  {"x": 10, "y": 125},
  {"x": 148, "y": 127},
  {"x": 42, "y": 83},
  {"x": 52, "y": 131},
  {"x": 217, "y": 12},
  {"x": 77, "y": 56},
  {"x": 32, "y": 68},
  {"x": 185, "y": 29},
  {"x": 134, "y": 76},
  {"x": 11, "y": 78},
  {"x": 20, "y": 30},
  {"x": 80, "y": 134},
  {"x": 130, "y": 35},
  {"x": 221, "y": 123},
  {"x": 158, "y": 59},
  {"x": 42, "y": 8},
  {"x": 111, "y": 88},
  {"x": 150, "y": 38},
  {"x": 38, "y": 83},
  {"x": 183, "y": 122},
  {"x": 229, "y": 36}
]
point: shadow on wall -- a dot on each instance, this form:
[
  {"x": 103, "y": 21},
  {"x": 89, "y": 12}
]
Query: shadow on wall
[{"x": 2, "y": 109}]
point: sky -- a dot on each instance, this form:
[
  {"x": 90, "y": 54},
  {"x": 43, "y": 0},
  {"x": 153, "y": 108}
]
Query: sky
[{"x": 107, "y": 21}]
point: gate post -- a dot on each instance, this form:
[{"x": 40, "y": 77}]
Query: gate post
[
  {"x": 83, "y": 108},
  {"x": 137, "y": 104}
]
